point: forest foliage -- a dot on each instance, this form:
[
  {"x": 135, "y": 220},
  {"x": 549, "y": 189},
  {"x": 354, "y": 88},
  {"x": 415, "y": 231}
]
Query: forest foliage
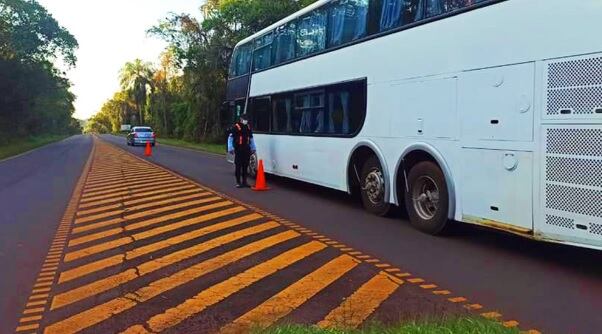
[
  {"x": 35, "y": 98},
  {"x": 181, "y": 95}
]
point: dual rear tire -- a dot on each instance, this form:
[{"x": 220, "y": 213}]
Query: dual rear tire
[{"x": 426, "y": 198}]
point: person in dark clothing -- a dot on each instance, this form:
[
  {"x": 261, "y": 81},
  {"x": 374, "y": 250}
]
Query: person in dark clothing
[{"x": 242, "y": 144}]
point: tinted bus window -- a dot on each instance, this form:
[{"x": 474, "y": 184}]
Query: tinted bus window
[
  {"x": 335, "y": 110},
  {"x": 438, "y": 7},
  {"x": 260, "y": 114},
  {"x": 241, "y": 60},
  {"x": 262, "y": 56},
  {"x": 347, "y": 21},
  {"x": 311, "y": 33},
  {"x": 282, "y": 119},
  {"x": 283, "y": 46},
  {"x": 395, "y": 13}
]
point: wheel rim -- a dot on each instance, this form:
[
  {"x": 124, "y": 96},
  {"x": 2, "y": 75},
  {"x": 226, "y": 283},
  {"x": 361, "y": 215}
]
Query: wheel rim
[
  {"x": 253, "y": 165},
  {"x": 374, "y": 186},
  {"x": 425, "y": 197}
]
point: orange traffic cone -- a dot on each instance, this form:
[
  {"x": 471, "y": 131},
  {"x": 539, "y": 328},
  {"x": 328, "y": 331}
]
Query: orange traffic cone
[
  {"x": 260, "y": 184},
  {"x": 148, "y": 151}
]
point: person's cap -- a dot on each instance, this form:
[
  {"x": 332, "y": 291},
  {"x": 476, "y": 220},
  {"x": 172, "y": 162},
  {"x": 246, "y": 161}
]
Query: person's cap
[{"x": 244, "y": 117}]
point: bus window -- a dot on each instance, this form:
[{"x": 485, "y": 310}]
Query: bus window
[
  {"x": 395, "y": 13},
  {"x": 260, "y": 114},
  {"x": 241, "y": 61},
  {"x": 438, "y": 7},
  {"x": 283, "y": 46},
  {"x": 307, "y": 108},
  {"x": 262, "y": 56},
  {"x": 311, "y": 33},
  {"x": 347, "y": 21},
  {"x": 346, "y": 108},
  {"x": 281, "y": 115}
]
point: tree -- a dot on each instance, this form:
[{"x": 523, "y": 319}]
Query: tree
[
  {"x": 136, "y": 79},
  {"x": 35, "y": 95}
]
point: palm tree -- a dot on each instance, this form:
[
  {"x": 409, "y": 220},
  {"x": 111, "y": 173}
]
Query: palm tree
[{"x": 136, "y": 79}]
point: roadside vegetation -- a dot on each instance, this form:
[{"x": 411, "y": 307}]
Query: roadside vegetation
[
  {"x": 181, "y": 95},
  {"x": 36, "y": 106},
  {"x": 20, "y": 145},
  {"x": 206, "y": 147},
  {"x": 457, "y": 326}
]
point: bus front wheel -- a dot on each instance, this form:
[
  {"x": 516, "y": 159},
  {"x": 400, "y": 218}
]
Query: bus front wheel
[
  {"x": 427, "y": 201},
  {"x": 373, "y": 188}
]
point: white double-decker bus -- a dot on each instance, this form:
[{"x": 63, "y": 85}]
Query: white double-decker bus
[{"x": 485, "y": 112}]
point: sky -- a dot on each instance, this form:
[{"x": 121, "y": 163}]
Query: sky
[{"x": 110, "y": 33}]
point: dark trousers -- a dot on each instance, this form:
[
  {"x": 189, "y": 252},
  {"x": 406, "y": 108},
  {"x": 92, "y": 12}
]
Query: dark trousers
[{"x": 241, "y": 163}]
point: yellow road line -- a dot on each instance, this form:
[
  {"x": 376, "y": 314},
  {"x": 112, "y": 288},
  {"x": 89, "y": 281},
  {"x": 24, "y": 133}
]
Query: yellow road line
[
  {"x": 102, "y": 312},
  {"x": 149, "y": 204},
  {"x": 126, "y": 198},
  {"x": 222, "y": 290},
  {"x": 126, "y": 204},
  {"x": 116, "y": 179},
  {"x": 154, "y": 247},
  {"x": 121, "y": 182},
  {"x": 129, "y": 187},
  {"x": 123, "y": 277},
  {"x": 148, "y": 234},
  {"x": 27, "y": 327},
  {"x": 129, "y": 183},
  {"x": 295, "y": 295},
  {"x": 132, "y": 192},
  {"x": 125, "y": 219},
  {"x": 102, "y": 180},
  {"x": 362, "y": 303}
]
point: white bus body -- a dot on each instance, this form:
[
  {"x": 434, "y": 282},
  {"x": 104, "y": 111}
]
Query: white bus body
[{"x": 506, "y": 99}]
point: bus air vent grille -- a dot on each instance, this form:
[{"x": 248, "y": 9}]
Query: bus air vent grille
[
  {"x": 560, "y": 222},
  {"x": 577, "y": 72},
  {"x": 575, "y": 200},
  {"x": 582, "y": 142},
  {"x": 580, "y": 100},
  {"x": 576, "y": 171},
  {"x": 595, "y": 228},
  {"x": 575, "y": 87}
]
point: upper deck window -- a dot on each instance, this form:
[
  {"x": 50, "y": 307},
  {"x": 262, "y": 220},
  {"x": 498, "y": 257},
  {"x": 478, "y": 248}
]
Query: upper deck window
[
  {"x": 241, "y": 60},
  {"x": 438, "y": 7},
  {"x": 311, "y": 33},
  {"x": 347, "y": 21},
  {"x": 283, "y": 46},
  {"x": 395, "y": 13},
  {"x": 262, "y": 56}
]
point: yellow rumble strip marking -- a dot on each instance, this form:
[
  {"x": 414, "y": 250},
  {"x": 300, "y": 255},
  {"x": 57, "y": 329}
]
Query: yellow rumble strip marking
[
  {"x": 103, "y": 247},
  {"x": 154, "y": 265},
  {"x": 104, "y": 234},
  {"x": 355, "y": 309},
  {"x": 149, "y": 204},
  {"x": 99, "y": 313},
  {"x": 142, "y": 238},
  {"x": 222, "y": 290},
  {"x": 280, "y": 305},
  {"x": 154, "y": 247},
  {"x": 148, "y": 200}
]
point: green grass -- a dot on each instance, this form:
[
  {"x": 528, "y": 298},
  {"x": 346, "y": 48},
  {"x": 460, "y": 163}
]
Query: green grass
[
  {"x": 206, "y": 147},
  {"x": 456, "y": 326},
  {"x": 18, "y": 146}
]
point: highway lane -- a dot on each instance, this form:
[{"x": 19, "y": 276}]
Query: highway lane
[
  {"x": 34, "y": 191},
  {"x": 553, "y": 288}
]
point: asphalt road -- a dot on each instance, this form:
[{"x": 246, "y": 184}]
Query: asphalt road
[
  {"x": 553, "y": 288},
  {"x": 34, "y": 191}
]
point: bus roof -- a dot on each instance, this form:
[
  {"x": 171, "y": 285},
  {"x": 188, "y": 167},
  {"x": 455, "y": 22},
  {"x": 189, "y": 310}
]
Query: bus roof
[{"x": 289, "y": 18}]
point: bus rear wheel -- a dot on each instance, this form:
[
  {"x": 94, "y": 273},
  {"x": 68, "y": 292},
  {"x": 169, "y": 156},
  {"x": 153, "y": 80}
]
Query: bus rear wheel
[
  {"x": 373, "y": 188},
  {"x": 427, "y": 201}
]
